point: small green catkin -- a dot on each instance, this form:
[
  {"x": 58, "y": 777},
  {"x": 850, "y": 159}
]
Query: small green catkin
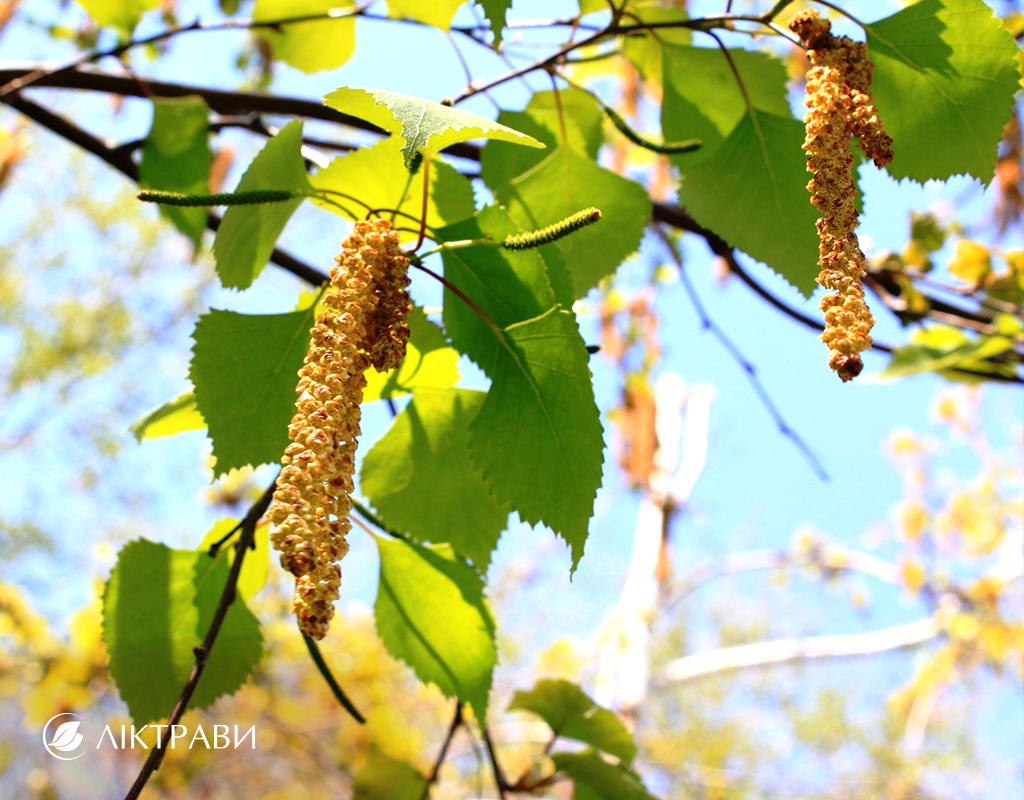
[
  {"x": 524, "y": 241},
  {"x": 223, "y": 199},
  {"x": 669, "y": 148}
]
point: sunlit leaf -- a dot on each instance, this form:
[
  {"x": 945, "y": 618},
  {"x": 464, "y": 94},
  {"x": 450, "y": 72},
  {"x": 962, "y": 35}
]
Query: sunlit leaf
[
  {"x": 375, "y": 179},
  {"x": 121, "y": 14},
  {"x": 176, "y": 158},
  {"x": 752, "y": 191},
  {"x": 566, "y": 182},
  {"x": 248, "y": 233},
  {"x": 422, "y": 124},
  {"x": 309, "y": 46},
  {"x": 431, "y": 613},
  {"x": 245, "y": 369},
  {"x": 438, "y": 13},
  {"x": 385, "y": 778},
  {"x": 595, "y": 779},
  {"x": 424, "y": 456},
  {"x": 253, "y": 576},
  {"x": 177, "y": 415},
  {"x": 569, "y": 712},
  {"x": 157, "y": 607},
  {"x": 943, "y": 83}
]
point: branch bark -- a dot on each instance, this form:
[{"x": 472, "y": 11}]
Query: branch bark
[
  {"x": 202, "y": 653},
  {"x": 800, "y": 649}
]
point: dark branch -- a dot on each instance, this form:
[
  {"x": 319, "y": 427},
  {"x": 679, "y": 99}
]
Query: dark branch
[
  {"x": 443, "y": 753},
  {"x": 500, "y": 781},
  {"x": 227, "y": 597},
  {"x": 748, "y": 368}
]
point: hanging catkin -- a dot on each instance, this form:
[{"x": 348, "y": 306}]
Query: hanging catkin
[
  {"x": 839, "y": 106},
  {"x": 364, "y": 324}
]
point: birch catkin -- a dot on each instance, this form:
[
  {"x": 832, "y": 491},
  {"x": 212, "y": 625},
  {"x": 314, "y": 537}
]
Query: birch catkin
[
  {"x": 364, "y": 324},
  {"x": 839, "y": 106}
]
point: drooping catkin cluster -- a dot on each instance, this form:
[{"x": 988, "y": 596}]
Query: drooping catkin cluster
[
  {"x": 839, "y": 106},
  {"x": 365, "y": 322}
]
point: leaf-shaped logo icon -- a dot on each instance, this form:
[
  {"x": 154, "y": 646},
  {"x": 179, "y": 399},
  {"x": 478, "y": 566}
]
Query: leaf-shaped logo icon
[{"x": 67, "y": 737}]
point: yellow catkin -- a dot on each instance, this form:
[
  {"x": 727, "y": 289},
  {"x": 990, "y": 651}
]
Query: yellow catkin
[
  {"x": 839, "y": 106},
  {"x": 364, "y": 323}
]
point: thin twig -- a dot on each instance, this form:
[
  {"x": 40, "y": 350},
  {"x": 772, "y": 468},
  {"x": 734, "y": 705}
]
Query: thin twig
[
  {"x": 748, "y": 368},
  {"x": 500, "y": 781},
  {"x": 336, "y": 690},
  {"x": 202, "y": 653},
  {"x": 443, "y": 753}
]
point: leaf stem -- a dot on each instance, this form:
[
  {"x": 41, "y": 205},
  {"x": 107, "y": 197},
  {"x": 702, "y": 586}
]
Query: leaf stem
[
  {"x": 439, "y": 761},
  {"x": 426, "y": 197},
  {"x": 463, "y": 297},
  {"x": 336, "y": 690}
]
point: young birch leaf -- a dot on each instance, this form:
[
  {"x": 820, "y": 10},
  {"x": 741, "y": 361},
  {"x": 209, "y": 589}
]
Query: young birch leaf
[
  {"x": 308, "y": 46},
  {"x": 496, "y": 12},
  {"x": 177, "y": 415},
  {"x": 176, "y": 158},
  {"x": 431, "y": 613},
  {"x": 569, "y": 712},
  {"x": 377, "y": 178},
  {"x": 703, "y": 99},
  {"x": 595, "y": 779},
  {"x": 424, "y": 456},
  {"x": 438, "y": 13},
  {"x": 121, "y": 14},
  {"x": 421, "y": 124},
  {"x": 244, "y": 369},
  {"x": 508, "y": 286},
  {"x": 566, "y": 182},
  {"x": 429, "y": 363},
  {"x": 247, "y": 234},
  {"x": 253, "y": 576},
  {"x": 646, "y": 51},
  {"x": 500, "y": 162},
  {"x": 752, "y": 191},
  {"x": 157, "y": 607},
  {"x": 538, "y": 437},
  {"x": 943, "y": 84},
  {"x": 384, "y": 778}
]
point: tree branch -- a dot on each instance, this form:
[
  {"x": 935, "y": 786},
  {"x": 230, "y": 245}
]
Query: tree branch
[
  {"x": 443, "y": 753},
  {"x": 202, "y": 653},
  {"x": 786, "y": 650}
]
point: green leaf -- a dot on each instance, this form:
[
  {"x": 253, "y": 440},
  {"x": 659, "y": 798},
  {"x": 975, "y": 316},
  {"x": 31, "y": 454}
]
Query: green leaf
[
  {"x": 175, "y": 416},
  {"x": 244, "y": 369},
  {"x": 646, "y": 51},
  {"x": 176, "y": 158},
  {"x": 385, "y": 778},
  {"x": 501, "y": 162},
  {"x": 752, "y": 191},
  {"x": 121, "y": 14},
  {"x": 566, "y": 182},
  {"x": 424, "y": 456},
  {"x": 157, "y": 607},
  {"x": 946, "y": 348},
  {"x": 438, "y": 13},
  {"x": 571, "y": 713},
  {"x": 429, "y": 363},
  {"x": 431, "y": 613},
  {"x": 508, "y": 286},
  {"x": 253, "y": 576},
  {"x": 308, "y": 46},
  {"x": 538, "y": 437},
  {"x": 422, "y": 124},
  {"x": 943, "y": 83},
  {"x": 377, "y": 178},
  {"x": 703, "y": 99},
  {"x": 496, "y": 12},
  {"x": 596, "y": 779},
  {"x": 247, "y": 234},
  {"x": 584, "y": 132}
]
